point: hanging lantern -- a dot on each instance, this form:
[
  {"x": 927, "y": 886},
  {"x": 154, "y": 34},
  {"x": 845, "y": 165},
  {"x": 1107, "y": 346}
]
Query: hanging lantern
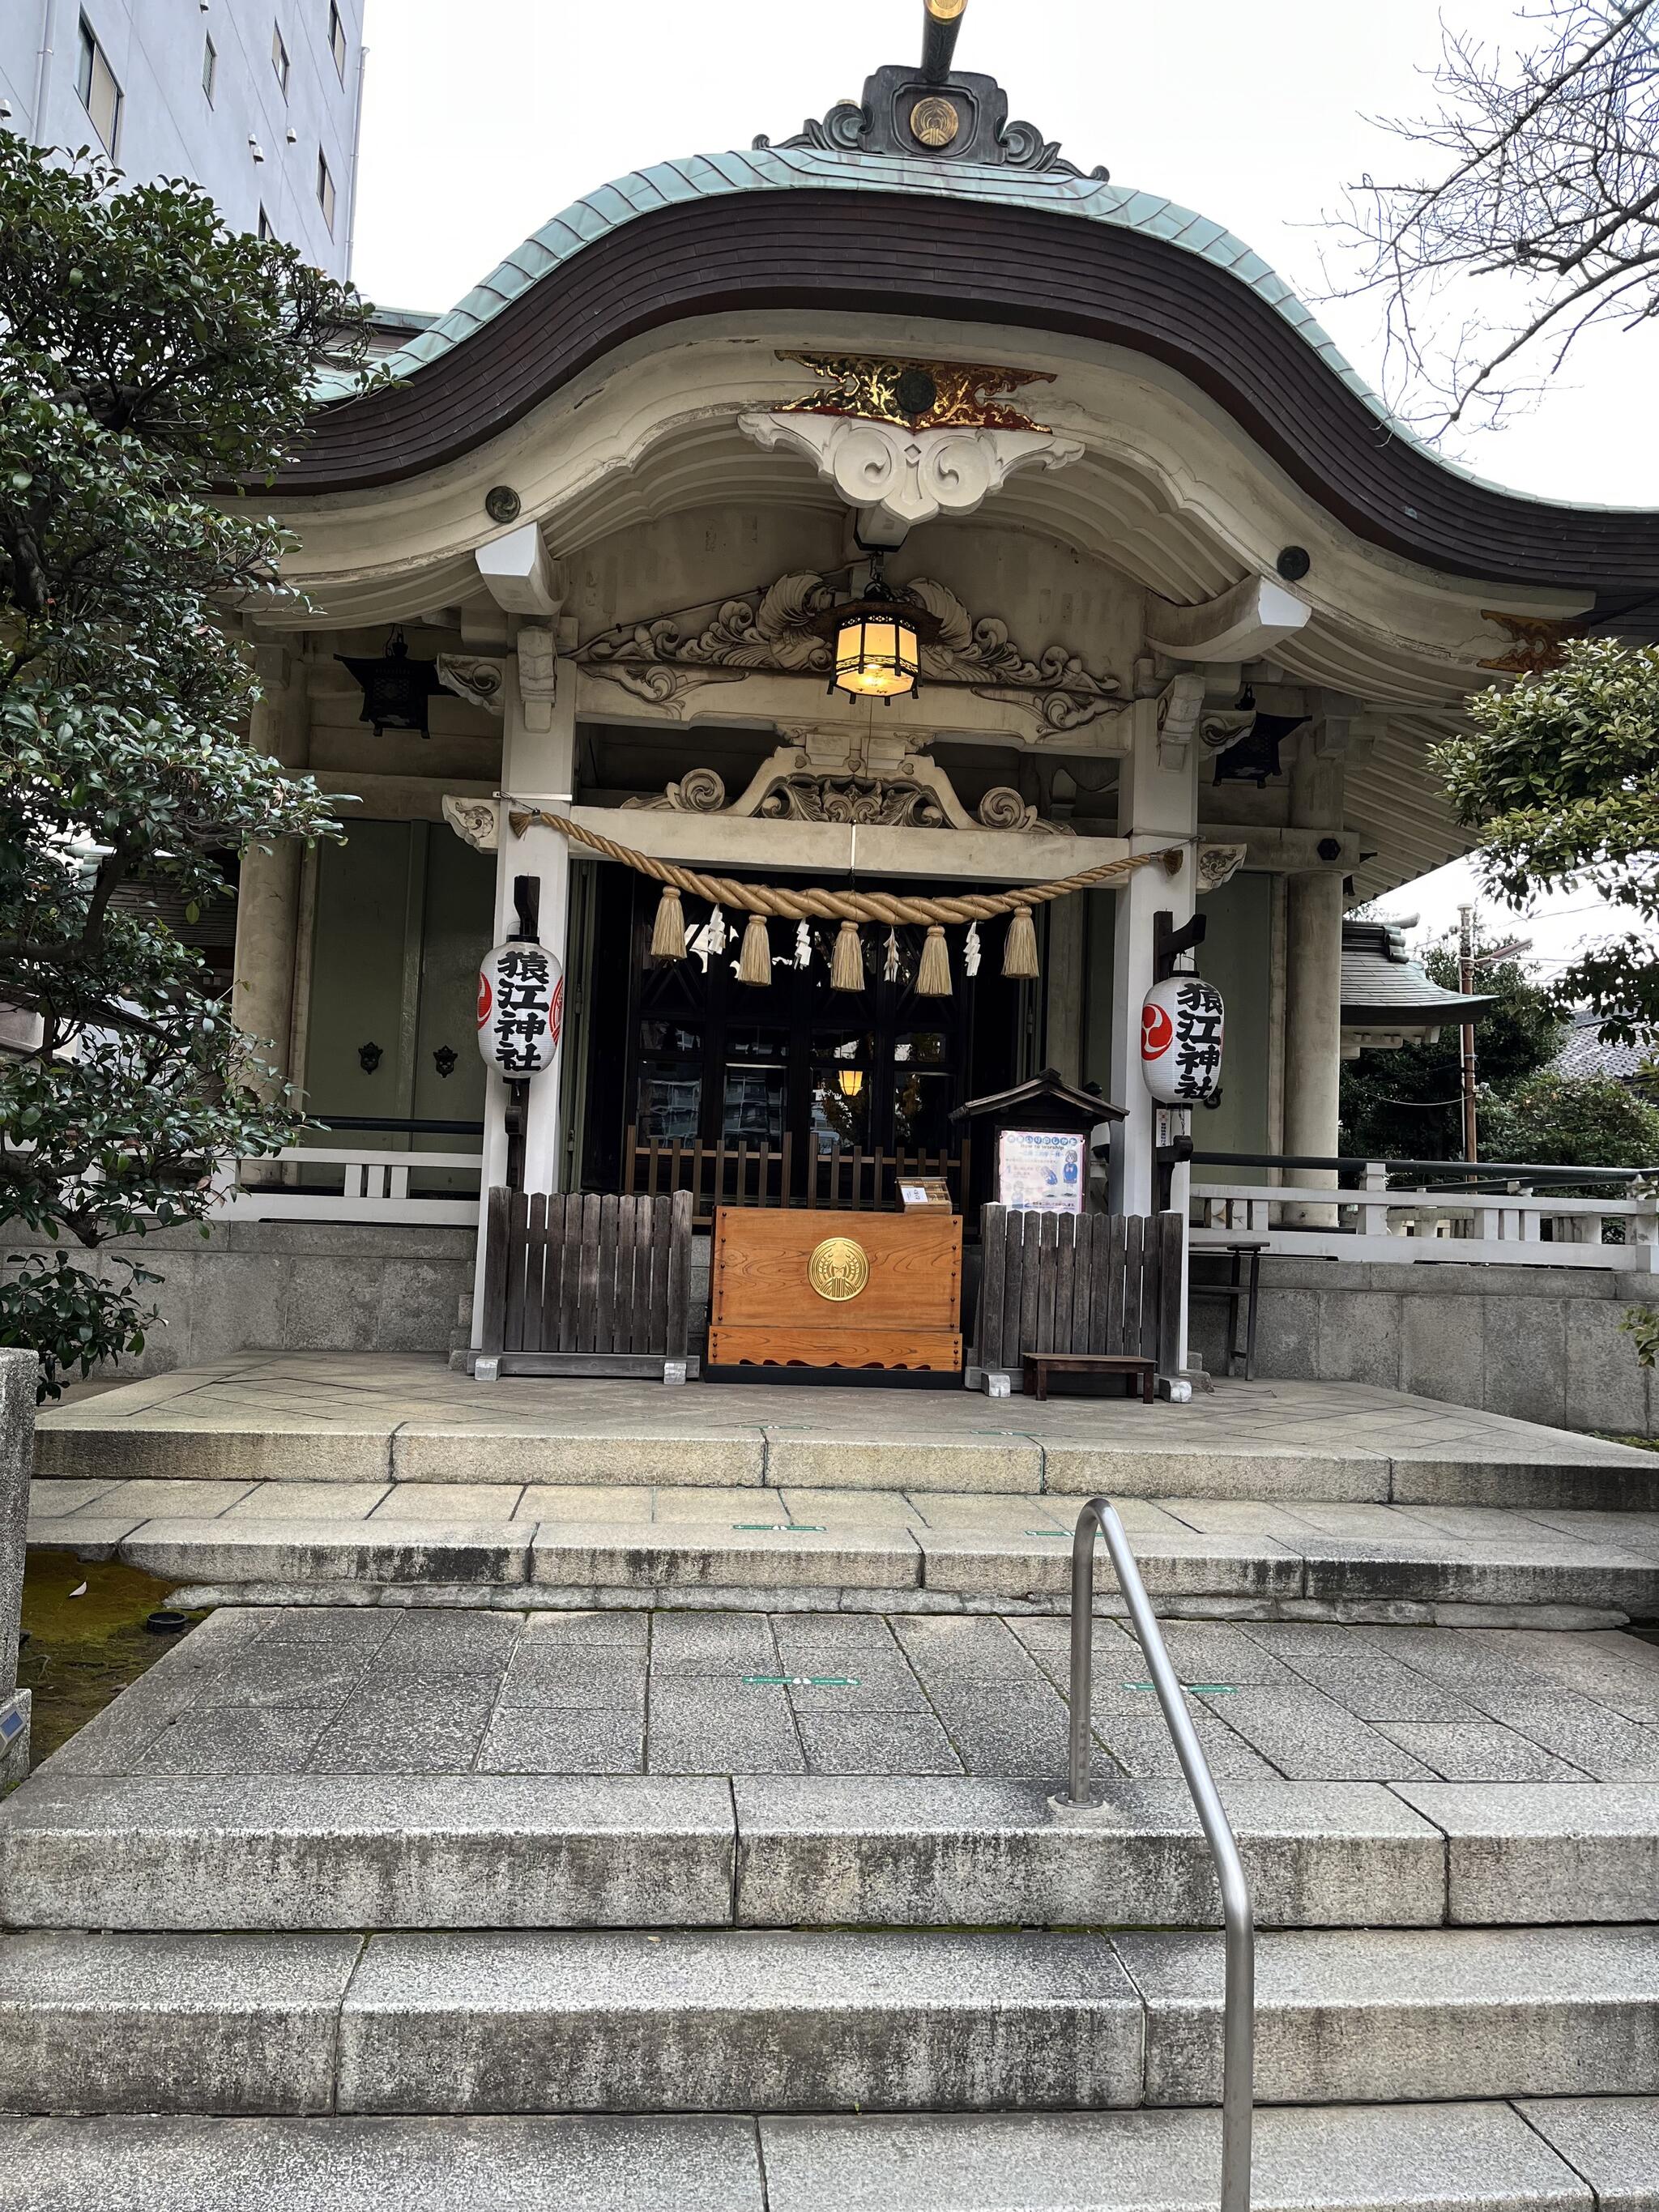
[
  {"x": 1181, "y": 1035},
  {"x": 877, "y": 642},
  {"x": 396, "y": 689},
  {"x": 521, "y": 1008},
  {"x": 851, "y": 1080}
]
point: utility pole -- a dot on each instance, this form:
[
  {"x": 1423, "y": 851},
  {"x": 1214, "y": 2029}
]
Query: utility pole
[{"x": 1466, "y": 985}]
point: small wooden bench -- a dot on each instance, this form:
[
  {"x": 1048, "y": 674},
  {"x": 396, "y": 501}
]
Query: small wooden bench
[{"x": 1040, "y": 1365}]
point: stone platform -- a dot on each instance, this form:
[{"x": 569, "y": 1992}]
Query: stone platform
[{"x": 385, "y": 1418}]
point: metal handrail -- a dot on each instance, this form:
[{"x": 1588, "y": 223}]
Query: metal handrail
[{"x": 1238, "y": 1917}]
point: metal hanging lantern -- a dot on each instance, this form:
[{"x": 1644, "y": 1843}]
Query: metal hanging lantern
[
  {"x": 876, "y": 642},
  {"x": 396, "y": 690},
  {"x": 521, "y": 1008},
  {"x": 1181, "y": 1023}
]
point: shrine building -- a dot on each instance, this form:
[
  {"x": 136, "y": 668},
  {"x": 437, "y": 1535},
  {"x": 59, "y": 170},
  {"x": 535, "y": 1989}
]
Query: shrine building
[{"x": 906, "y": 512}]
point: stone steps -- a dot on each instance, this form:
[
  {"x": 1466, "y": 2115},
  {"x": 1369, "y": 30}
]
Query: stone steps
[
  {"x": 819, "y": 2023},
  {"x": 1477, "y": 2158},
  {"x": 304, "y": 1852},
  {"x": 1519, "y": 1570}
]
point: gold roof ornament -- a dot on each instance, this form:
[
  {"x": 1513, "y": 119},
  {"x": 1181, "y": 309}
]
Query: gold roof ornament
[
  {"x": 922, "y": 395},
  {"x": 1537, "y": 647}
]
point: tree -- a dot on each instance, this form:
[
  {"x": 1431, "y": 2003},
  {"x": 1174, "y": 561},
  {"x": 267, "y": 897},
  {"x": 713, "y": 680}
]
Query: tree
[
  {"x": 1566, "y": 1120},
  {"x": 1542, "y": 185},
  {"x": 1407, "y": 1103},
  {"x": 1560, "y": 775},
  {"x": 147, "y": 356}
]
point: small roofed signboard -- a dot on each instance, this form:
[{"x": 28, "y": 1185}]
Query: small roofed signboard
[{"x": 1041, "y": 1170}]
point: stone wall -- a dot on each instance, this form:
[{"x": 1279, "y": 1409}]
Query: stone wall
[
  {"x": 295, "y": 1286},
  {"x": 1542, "y": 1344},
  {"x": 18, "y": 1372}
]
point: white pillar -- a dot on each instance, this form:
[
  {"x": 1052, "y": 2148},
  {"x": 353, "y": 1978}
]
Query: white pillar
[
  {"x": 1313, "y": 988},
  {"x": 538, "y": 752},
  {"x": 268, "y": 887},
  {"x": 1158, "y": 805}
]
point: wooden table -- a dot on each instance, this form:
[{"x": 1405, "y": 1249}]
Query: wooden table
[
  {"x": 1137, "y": 1373},
  {"x": 812, "y": 1288},
  {"x": 1242, "y": 1290}
]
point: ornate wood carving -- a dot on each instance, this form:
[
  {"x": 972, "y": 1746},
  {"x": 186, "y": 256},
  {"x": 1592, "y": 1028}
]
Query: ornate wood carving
[
  {"x": 767, "y": 632},
  {"x": 1536, "y": 646},
  {"x": 922, "y": 395},
  {"x": 480, "y": 682},
  {"x": 475, "y": 821}
]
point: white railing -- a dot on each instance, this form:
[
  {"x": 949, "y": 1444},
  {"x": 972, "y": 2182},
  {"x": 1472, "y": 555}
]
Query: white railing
[
  {"x": 373, "y": 1187},
  {"x": 1507, "y": 1226}
]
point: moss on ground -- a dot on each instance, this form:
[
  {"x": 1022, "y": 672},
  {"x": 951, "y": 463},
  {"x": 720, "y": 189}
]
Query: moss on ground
[{"x": 79, "y": 1653}]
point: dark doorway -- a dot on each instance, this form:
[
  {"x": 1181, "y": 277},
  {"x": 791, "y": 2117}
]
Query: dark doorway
[{"x": 685, "y": 1053}]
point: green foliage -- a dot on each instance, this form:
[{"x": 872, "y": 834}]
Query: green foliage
[
  {"x": 1566, "y": 1120},
  {"x": 152, "y": 364},
  {"x": 1406, "y": 1104},
  {"x": 1641, "y": 1323},
  {"x": 1560, "y": 776}
]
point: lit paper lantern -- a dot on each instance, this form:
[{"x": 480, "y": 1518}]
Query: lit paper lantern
[
  {"x": 1180, "y": 1026},
  {"x": 521, "y": 1008}
]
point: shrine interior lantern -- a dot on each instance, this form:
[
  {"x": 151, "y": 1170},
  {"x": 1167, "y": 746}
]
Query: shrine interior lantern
[
  {"x": 1181, "y": 1036},
  {"x": 521, "y": 1008}
]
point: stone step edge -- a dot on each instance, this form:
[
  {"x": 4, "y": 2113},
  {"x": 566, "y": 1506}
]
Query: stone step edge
[{"x": 1510, "y": 2156}]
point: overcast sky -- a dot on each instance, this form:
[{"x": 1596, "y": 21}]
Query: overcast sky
[{"x": 482, "y": 121}]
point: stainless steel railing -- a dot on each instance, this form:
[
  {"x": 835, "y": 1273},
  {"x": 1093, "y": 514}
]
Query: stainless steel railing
[{"x": 1238, "y": 1917}]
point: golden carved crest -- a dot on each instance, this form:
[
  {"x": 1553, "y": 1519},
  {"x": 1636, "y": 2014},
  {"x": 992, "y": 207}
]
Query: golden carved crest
[
  {"x": 838, "y": 1269},
  {"x": 1536, "y": 647},
  {"x": 924, "y": 395}
]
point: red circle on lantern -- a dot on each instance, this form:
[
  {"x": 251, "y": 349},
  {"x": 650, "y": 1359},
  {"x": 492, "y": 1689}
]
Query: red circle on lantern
[
  {"x": 1156, "y": 1032},
  {"x": 486, "y": 1000}
]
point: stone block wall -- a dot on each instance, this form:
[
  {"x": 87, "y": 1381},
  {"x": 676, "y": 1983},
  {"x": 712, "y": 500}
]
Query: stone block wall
[
  {"x": 18, "y": 1374},
  {"x": 1541, "y": 1344},
  {"x": 294, "y": 1286}
]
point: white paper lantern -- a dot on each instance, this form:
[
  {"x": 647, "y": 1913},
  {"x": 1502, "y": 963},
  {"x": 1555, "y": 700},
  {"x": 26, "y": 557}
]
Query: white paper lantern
[
  {"x": 1180, "y": 1027},
  {"x": 521, "y": 1008}
]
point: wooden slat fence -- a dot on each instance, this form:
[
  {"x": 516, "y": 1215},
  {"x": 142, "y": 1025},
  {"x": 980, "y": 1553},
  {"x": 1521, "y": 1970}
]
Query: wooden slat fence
[
  {"x": 1077, "y": 1282},
  {"x": 749, "y": 1171},
  {"x": 586, "y": 1284}
]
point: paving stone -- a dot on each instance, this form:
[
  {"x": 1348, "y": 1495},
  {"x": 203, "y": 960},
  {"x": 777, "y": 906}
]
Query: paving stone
[
  {"x": 736, "y": 2022},
  {"x": 89, "y": 1535},
  {"x": 726, "y": 1644},
  {"x": 1473, "y": 1752},
  {"x": 220, "y": 2023},
  {"x": 911, "y": 1464},
  {"x": 1543, "y": 1852},
  {"x": 154, "y": 1501},
  {"x": 601, "y": 2165},
  {"x": 868, "y": 1743},
  {"x": 704, "y": 1555},
  {"x": 724, "y": 1508},
  {"x": 376, "y": 1852},
  {"x": 585, "y": 1501},
  {"x": 310, "y": 1501},
  {"x": 1411, "y": 2013},
  {"x": 435, "y": 1452},
  {"x": 231, "y": 1739},
  {"x": 863, "y": 1509},
  {"x": 1308, "y": 1738},
  {"x": 1603, "y": 1744},
  {"x": 1086, "y": 1471},
  {"x": 704, "y": 1727},
  {"x": 47, "y": 1500},
  {"x": 1142, "y": 1747},
  {"x": 337, "y": 1627},
  {"x": 547, "y": 1740},
  {"x": 580, "y": 1677},
  {"x": 1430, "y": 2158},
  {"x": 1373, "y": 1687},
  {"x": 613, "y": 1626},
  {"x": 876, "y": 1852},
  {"x": 233, "y": 1551},
  {"x": 476, "y": 1502},
  {"x": 1612, "y": 2142},
  {"x": 426, "y": 1729},
  {"x": 974, "y": 1650}
]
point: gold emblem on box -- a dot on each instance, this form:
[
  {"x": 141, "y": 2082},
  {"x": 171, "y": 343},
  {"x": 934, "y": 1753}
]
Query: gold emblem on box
[
  {"x": 935, "y": 120},
  {"x": 838, "y": 1269}
]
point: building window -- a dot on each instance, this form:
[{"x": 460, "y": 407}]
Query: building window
[
  {"x": 101, "y": 95},
  {"x": 279, "y": 57},
  {"x": 325, "y": 193},
  {"x": 209, "y": 68},
  {"x": 265, "y": 230},
  {"x": 337, "y": 39}
]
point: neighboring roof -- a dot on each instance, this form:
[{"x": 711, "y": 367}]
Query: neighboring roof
[
  {"x": 818, "y": 224},
  {"x": 1382, "y": 987},
  {"x": 1584, "y": 1053}
]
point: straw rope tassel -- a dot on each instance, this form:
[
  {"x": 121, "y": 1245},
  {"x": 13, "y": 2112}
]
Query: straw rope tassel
[
  {"x": 668, "y": 931},
  {"x": 755, "y": 961},
  {"x": 846, "y": 968},
  {"x": 1020, "y": 951},
  {"x": 933, "y": 976}
]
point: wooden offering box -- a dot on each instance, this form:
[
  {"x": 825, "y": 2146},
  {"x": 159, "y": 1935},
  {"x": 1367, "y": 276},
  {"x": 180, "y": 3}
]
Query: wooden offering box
[{"x": 810, "y": 1288}]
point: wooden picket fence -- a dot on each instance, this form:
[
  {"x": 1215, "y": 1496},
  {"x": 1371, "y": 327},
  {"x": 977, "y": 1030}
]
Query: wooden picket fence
[
  {"x": 751, "y": 1171},
  {"x": 586, "y": 1284},
  {"x": 1077, "y": 1282}
]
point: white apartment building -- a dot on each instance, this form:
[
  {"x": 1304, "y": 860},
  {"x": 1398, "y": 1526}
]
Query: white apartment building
[{"x": 258, "y": 101}]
